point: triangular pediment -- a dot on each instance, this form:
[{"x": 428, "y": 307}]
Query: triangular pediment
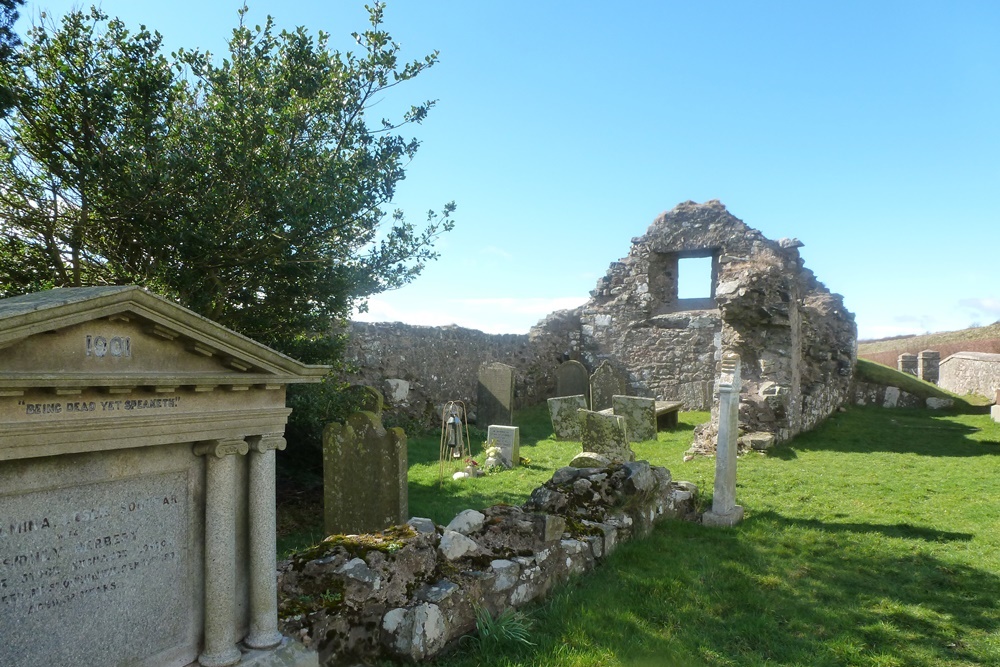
[{"x": 126, "y": 336}]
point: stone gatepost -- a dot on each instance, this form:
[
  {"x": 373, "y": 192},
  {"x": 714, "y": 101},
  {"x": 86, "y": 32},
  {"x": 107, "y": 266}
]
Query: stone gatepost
[
  {"x": 725, "y": 511},
  {"x": 928, "y": 366},
  {"x": 907, "y": 363}
]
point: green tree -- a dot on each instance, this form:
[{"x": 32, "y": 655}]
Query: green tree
[
  {"x": 253, "y": 190},
  {"x": 8, "y": 42}
]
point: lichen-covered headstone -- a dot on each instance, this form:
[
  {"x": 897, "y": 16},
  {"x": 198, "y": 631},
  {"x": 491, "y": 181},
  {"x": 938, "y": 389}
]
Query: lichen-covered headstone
[
  {"x": 565, "y": 414},
  {"x": 572, "y": 379},
  {"x": 366, "y": 398},
  {"x": 508, "y": 439},
  {"x": 606, "y": 382},
  {"x": 495, "y": 395},
  {"x": 605, "y": 435},
  {"x": 364, "y": 475},
  {"x": 725, "y": 511},
  {"x": 639, "y": 414}
]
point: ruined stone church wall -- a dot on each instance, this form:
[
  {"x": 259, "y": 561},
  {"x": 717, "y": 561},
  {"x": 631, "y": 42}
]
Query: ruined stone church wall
[
  {"x": 796, "y": 340},
  {"x": 418, "y": 368}
]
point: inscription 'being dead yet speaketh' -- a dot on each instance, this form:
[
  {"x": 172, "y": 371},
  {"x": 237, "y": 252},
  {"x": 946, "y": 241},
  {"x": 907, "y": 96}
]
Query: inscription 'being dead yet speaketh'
[
  {"x": 53, "y": 559},
  {"x": 100, "y": 406}
]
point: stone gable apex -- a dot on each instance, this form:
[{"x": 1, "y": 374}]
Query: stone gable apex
[{"x": 56, "y": 338}]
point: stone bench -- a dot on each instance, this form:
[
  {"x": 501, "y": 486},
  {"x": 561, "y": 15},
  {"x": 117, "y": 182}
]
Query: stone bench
[{"x": 666, "y": 414}]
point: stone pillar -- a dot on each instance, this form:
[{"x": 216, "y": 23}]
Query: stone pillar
[
  {"x": 263, "y": 527},
  {"x": 928, "y": 365},
  {"x": 220, "y": 550},
  {"x": 725, "y": 511},
  {"x": 907, "y": 363}
]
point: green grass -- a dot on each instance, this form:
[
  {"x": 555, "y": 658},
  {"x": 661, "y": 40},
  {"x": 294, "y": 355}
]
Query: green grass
[
  {"x": 441, "y": 499},
  {"x": 873, "y": 540},
  {"x": 870, "y": 371}
]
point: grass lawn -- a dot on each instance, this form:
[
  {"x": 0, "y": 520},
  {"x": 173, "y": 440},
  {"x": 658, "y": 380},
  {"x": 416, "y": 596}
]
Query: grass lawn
[{"x": 873, "y": 540}]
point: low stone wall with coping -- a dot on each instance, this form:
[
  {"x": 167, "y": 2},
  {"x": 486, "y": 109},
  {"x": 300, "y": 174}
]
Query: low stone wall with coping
[
  {"x": 970, "y": 373},
  {"x": 409, "y": 592}
]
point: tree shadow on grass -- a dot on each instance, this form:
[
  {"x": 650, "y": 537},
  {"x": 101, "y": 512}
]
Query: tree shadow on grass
[
  {"x": 900, "y": 530},
  {"x": 869, "y": 429}
]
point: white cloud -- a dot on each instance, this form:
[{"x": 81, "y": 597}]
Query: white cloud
[{"x": 492, "y": 315}]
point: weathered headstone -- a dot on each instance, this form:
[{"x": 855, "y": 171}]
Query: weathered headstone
[
  {"x": 606, "y": 382},
  {"x": 137, "y": 453},
  {"x": 639, "y": 414},
  {"x": 508, "y": 439},
  {"x": 565, "y": 414},
  {"x": 364, "y": 476},
  {"x": 995, "y": 408},
  {"x": 907, "y": 363},
  {"x": 495, "y": 395},
  {"x": 929, "y": 365},
  {"x": 725, "y": 511},
  {"x": 367, "y": 399},
  {"x": 606, "y": 435},
  {"x": 572, "y": 379}
]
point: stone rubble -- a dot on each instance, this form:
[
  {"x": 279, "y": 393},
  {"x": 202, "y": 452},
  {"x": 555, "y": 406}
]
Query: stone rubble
[{"x": 410, "y": 591}]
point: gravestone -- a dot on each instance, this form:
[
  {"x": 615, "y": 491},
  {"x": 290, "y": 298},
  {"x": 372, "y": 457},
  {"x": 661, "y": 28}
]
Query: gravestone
[
  {"x": 565, "y": 415},
  {"x": 495, "y": 395},
  {"x": 572, "y": 379},
  {"x": 639, "y": 415},
  {"x": 366, "y": 398},
  {"x": 364, "y": 476},
  {"x": 929, "y": 366},
  {"x": 606, "y": 382},
  {"x": 725, "y": 511},
  {"x": 907, "y": 363},
  {"x": 137, "y": 453},
  {"x": 508, "y": 439},
  {"x": 606, "y": 435},
  {"x": 995, "y": 408}
]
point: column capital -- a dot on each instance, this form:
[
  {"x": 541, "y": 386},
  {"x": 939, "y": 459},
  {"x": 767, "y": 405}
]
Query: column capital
[
  {"x": 267, "y": 442},
  {"x": 221, "y": 448}
]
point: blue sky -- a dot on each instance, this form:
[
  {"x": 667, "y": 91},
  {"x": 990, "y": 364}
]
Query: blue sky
[{"x": 869, "y": 130}]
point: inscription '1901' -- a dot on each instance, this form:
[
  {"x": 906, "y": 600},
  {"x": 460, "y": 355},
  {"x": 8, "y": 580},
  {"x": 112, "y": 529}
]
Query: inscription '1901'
[{"x": 102, "y": 346}]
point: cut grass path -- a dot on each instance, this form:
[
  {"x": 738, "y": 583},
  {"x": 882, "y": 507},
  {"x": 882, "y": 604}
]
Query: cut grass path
[{"x": 873, "y": 540}]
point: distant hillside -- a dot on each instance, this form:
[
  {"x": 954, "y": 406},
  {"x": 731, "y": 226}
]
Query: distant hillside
[{"x": 976, "y": 339}]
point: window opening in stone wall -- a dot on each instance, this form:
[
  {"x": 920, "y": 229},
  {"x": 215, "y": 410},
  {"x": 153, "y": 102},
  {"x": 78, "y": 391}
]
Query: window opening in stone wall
[{"x": 694, "y": 278}]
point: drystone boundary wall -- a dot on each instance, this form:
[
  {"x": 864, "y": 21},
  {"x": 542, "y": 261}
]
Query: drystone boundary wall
[
  {"x": 409, "y": 592},
  {"x": 420, "y": 368},
  {"x": 971, "y": 373}
]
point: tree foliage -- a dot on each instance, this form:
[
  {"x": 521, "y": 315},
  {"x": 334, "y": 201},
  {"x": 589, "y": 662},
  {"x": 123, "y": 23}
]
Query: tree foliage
[
  {"x": 8, "y": 42},
  {"x": 253, "y": 190}
]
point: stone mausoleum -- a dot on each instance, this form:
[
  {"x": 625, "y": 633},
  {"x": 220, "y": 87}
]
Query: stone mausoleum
[
  {"x": 137, "y": 490},
  {"x": 796, "y": 339}
]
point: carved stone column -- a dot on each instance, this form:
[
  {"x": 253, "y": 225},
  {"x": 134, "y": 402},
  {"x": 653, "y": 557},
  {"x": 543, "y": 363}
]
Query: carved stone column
[
  {"x": 220, "y": 550},
  {"x": 725, "y": 511},
  {"x": 263, "y": 579}
]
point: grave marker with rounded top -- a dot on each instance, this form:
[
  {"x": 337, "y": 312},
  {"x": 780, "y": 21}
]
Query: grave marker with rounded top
[{"x": 572, "y": 379}]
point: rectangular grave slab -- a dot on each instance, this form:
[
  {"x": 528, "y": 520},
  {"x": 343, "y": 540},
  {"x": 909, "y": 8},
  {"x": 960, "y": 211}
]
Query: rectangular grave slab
[
  {"x": 639, "y": 414},
  {"x": 508, "y": 439},
  {"x": 137, "y": 449},
  {"x": 606, "y": 435},
  {"x": 495, "y": 395},
  {"x": 565, "y": 414},
  {"x": 572, "y": 379}
]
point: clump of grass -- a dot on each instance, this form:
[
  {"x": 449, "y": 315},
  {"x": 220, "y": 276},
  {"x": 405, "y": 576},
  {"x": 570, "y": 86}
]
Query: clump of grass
[{"x": 509, "y": 628}]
